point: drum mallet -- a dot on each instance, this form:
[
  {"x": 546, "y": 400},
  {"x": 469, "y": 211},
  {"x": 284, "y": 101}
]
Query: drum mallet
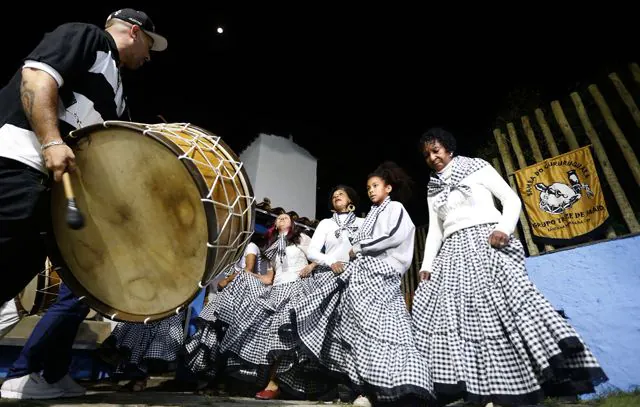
[{"x": 75, "y": 220}]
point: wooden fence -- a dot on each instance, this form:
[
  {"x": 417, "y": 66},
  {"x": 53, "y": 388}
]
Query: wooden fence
[{"x": 605, "y": 125}]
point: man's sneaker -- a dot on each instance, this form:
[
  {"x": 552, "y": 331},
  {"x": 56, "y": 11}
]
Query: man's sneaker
[
  {"x": 69, "y": 387},
  {"x": 31, "y": 386},
  {"x": 362, "y": 401}
]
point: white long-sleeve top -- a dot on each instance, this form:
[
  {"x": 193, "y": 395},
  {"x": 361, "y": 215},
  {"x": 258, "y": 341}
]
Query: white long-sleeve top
[
  {"x": 392, "y": 238},
  {"x": 461, "y": 212},
  {"x": 295, "y": 260},
  {"x": 335, "y": 248}
]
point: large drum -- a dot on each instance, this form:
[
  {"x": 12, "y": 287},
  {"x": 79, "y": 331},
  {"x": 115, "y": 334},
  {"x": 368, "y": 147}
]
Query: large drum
[{"x": 166, "y": 208}]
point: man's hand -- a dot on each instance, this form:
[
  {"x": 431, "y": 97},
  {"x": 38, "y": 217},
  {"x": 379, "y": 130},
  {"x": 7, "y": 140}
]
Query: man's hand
[{"x": 58, "y": 159}]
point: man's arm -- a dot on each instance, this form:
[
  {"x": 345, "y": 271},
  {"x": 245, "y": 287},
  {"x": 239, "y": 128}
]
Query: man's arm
[{"x": 39, "y": 96}]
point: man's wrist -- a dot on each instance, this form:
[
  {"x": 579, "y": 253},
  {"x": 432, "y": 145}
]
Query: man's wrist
[{"x": 51, "y": 143}]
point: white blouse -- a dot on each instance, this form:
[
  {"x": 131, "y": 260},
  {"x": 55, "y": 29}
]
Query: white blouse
[
  {"x": 335, "y": 248},
  {"x": 287, "y": 271},
  {"x": 261, "y": 264},
  {"x": 260, "y": 267},
  {"x": 461, "y": 211}
]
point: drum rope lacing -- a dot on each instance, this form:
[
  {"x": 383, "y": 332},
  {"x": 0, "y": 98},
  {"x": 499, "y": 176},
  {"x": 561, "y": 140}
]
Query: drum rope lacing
[{"x": 227, "y": 171}]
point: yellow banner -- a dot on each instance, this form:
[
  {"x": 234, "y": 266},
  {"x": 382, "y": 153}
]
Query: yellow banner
[{"x": 562, "y": 197}]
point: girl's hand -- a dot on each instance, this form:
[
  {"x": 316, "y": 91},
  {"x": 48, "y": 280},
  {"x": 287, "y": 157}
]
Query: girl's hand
[
  {"x": 337, "y": 267},
  {"x": 306, "y": 270}
]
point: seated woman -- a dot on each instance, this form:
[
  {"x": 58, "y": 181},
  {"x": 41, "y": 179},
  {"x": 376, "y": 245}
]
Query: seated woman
[
  {"x": 259, "y": 345},
  {"x": 137, "y": 350},
  {"x": 243, "y": 280},
  {"x": 329, "y": 248}
]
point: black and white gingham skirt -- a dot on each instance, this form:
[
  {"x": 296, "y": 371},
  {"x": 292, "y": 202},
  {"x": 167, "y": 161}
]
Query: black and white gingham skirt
[
  {"x": 147, "y": 348},
  {"x": 260, "y": 339},
  {"x": 200, "y": 351},
  {"x": 316, "y": 317},
  {"x": 358, "y": 323},
  {"x": 489, "y": 334}
]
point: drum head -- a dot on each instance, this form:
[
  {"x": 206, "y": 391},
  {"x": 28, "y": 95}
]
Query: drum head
[{"x": 143, "y": 248}]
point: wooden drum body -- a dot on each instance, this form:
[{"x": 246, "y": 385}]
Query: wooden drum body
[{"x": 40, "y": 293}]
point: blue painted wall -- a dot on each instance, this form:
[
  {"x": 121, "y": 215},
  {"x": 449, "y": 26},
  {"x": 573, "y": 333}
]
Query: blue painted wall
[{"x": 598, "y": 287}]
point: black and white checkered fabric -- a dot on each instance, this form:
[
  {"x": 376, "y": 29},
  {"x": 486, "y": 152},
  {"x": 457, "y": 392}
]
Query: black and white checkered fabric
[
  {"x": 201, "y": 355},
  {"x": 245, "y": 288},
  {"x": 365, "y": 230},
  {"x": 345, "y": 225},
  {"x": 294, "y": 380},
  {"x": 156, "y": 343},
  {"x": 462, "y": 167},
  {"x": 488, "y": 333},
  {"x": 380, "y": 353},
  {"x": 261, "y": 338},
  {"x": 358, "y": 323},
  {"x": 201, "y": 351},
  {"x": 316, "y": 318},
  {"x": 278, "y": 248}
]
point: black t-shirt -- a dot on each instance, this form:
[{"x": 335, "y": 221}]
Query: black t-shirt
[{"x": 84, "y": 60}]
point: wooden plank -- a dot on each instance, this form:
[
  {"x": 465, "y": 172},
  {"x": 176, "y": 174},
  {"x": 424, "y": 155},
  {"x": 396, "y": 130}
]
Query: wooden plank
[
  {"x": 626, "y": 97},
  {"x": 546, "y": 132},
  {"x": 566, "y": 129},
  {"x": 621, "y": 198},
  {"x": 627, "y": 151}
]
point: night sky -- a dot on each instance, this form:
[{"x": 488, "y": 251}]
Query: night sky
[{"x": 353, "y": 86}]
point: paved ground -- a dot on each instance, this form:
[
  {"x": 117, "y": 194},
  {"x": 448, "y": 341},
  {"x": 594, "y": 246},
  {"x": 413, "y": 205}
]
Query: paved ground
[
  {"x": 152, "y": 399},
  {"x": 164, "y": 399},
  {"x": 106, "y": 394}
]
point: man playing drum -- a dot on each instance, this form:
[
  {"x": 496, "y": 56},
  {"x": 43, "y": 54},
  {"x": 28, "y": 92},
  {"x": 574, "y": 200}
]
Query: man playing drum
[{"x": 70, "y": 80}]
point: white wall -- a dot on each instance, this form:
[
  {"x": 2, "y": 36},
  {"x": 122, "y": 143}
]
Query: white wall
[
  {"x": 284, "y": 172},
  {"x": 250, "y": 158}
]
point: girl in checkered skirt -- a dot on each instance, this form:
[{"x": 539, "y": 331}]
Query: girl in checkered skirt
[
  {"x": 259, "y": 344},
  {"x": 244, "y": 280},
  {"x": 489, "y": 335},
  {"x": 136, "y": 350},
  {"x": 363, "y": 310}
]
